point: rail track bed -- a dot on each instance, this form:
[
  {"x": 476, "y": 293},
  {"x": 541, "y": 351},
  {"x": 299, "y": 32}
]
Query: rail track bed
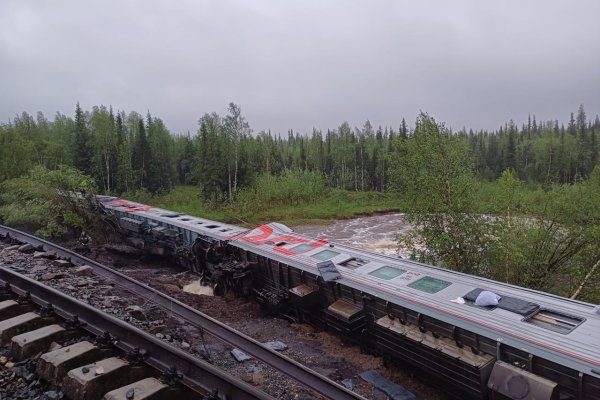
[
  {"x": 55, "y": 346},
  {"x": 158, "y": 311}
]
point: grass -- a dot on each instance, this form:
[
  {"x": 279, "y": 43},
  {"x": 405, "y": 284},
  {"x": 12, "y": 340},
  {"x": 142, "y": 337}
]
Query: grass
[{"x": 334, "y": 205}]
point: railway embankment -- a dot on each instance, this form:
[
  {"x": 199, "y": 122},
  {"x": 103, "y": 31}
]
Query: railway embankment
[{"x": 318, "y": 350}]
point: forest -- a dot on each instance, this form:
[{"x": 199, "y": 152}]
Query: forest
[
  {"x": 517, "y": 204},
  {"x": 127, "y": 152}
]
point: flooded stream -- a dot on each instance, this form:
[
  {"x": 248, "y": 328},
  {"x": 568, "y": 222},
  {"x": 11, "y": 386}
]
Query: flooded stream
[{"x": 375, "y": 233}]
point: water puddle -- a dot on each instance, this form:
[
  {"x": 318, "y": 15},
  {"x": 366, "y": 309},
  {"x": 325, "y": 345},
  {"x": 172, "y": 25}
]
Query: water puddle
[{"x": 197, "y": 288}]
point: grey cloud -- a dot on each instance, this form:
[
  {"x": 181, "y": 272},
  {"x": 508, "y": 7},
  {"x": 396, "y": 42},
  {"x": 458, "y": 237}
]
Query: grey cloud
[{"x": 303, "y": 64}]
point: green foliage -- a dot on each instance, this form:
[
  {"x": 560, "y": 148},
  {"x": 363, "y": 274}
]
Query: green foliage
[
  {"x": 160, "y": 165},
  {"x": 510, "y": 191},
  {"x": 332, "y": 204},
  {"x": 434, "y": 170},
  {"x": 16, "y": 153},
  {"x": 213, "y": 168},
  {"x": 534, "y": 253},
  {"x": 39, "y": 201},
  {"x": 486, "y": 202},
  {"x": 82, "y": 143},
  {"x": 290, "y": 189}
]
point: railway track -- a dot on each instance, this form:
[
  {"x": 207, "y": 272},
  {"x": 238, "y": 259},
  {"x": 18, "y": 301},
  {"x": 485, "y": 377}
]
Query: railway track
[
  {"x": 33, "y": 315},
  {"x": 195, "y": 375}
]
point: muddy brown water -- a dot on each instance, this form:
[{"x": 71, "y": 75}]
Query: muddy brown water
[{"x": 376, "y": 233}]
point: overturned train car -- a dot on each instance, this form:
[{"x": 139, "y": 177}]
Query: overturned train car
[{"x": 532, "y": 345}]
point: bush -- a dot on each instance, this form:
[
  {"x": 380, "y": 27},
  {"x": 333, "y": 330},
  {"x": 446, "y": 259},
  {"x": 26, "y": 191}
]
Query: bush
[
  {"x": 292, "y": 188},
  {"x": 40, "y": 202}
]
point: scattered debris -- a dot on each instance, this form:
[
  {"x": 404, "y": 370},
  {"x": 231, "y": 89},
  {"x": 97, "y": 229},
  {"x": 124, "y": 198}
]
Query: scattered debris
[
  {"x": 39, "y": 268},
  {"x": 84, "y": 270},
  {"x": 62, "y": 263},
  {"x": 137, "y": 312},
  {"x": 276, "y": 345},
  {"x": 391, "y": 389},
  {"x": 487, "y": 298},
  {"x": 317, "y": 350},
  {"x": 54, "y": 346},
  {"x": 156, "y": 329},
  {"x": 328, "y": 271},
  {"x": 39, "y": 254},
  {"x": 348, "y": 384},
  {"x": 27, "y": 248},
  {"x": 240, "y": 356},
  {"x": 257, "y": 377},
  {"x": 51, "y": 275}
]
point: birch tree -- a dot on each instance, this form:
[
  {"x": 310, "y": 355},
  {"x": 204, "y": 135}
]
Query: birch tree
[{"x": 237, "y": 127}]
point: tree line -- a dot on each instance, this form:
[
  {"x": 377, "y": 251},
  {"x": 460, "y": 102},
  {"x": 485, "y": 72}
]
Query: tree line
[
  {"x": 542, "y": 237},
  {"x": 127, "y": 152},
  {"x": 518, "y": 205}
]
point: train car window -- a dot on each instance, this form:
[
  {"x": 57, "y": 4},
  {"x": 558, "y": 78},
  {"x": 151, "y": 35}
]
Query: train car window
[
  {"x": 387, "y": 272},
  {"x": 353, "y": 263},
  {"x": 429, "y": 284},
  {"x": 301, "y": 248},
  {"x": 554, "y": 321},
  {"x": 325, "y": 255}
]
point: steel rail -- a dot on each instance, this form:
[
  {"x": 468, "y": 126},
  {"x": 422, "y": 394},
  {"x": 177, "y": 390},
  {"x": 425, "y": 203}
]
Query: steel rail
[
  {"x": 291, "y": 368},
  {"x": 197, "y": 375}
]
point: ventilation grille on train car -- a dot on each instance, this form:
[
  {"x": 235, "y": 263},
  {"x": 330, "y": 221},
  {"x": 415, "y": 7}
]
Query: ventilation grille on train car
[{"x": 353, "y": 263}]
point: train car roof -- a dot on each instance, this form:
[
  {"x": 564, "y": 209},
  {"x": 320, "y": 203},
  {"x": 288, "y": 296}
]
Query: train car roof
[{"x": 424, "y": 288}]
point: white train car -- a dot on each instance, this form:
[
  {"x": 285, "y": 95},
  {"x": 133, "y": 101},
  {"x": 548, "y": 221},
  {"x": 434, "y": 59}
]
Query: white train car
[{"x": 531, "y": 345}]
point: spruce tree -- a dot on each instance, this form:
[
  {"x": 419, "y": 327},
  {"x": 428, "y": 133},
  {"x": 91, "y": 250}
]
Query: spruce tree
[
  {"x": 82, "y": 146},
  {"x": 140, "y": 155}
]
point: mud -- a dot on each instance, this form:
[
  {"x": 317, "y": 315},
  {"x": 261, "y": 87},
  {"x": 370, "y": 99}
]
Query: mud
[{"x": 319, "y": 350}]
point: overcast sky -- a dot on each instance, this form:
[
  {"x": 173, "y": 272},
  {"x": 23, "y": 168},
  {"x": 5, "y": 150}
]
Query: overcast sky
[{"x": 303, "y": 64}]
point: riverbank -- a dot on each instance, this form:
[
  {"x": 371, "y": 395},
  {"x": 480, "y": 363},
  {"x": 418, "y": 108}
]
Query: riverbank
[{"x": 335, "y": 205}]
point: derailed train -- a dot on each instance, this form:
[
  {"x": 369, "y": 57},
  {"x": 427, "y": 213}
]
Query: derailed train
[{"x": 531, "y": 345}]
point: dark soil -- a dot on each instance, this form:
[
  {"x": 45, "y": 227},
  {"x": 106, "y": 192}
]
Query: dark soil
[{"x": 319, "y": 350}]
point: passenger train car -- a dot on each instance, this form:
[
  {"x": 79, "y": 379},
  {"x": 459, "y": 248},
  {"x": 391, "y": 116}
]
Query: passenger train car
[{"x": 531, "y": 345}]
